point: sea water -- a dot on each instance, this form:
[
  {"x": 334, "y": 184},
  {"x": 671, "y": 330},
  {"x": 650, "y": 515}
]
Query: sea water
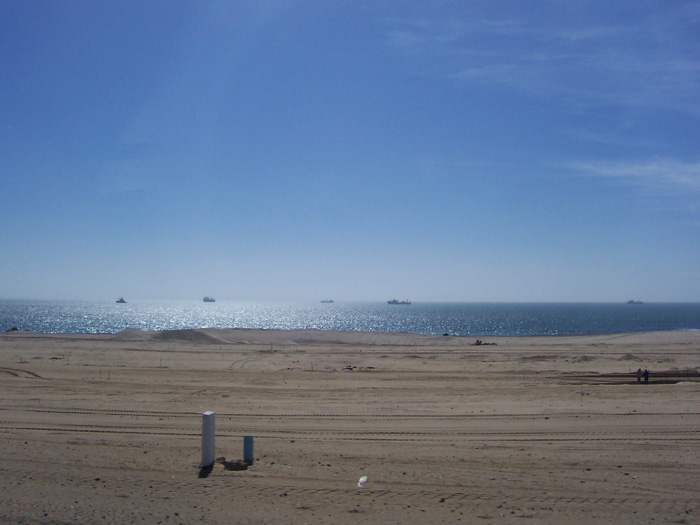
[{"x": 460, "y": 319}]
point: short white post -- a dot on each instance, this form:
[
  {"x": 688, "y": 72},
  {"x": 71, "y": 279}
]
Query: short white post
[{"x": 207, "y": 439}]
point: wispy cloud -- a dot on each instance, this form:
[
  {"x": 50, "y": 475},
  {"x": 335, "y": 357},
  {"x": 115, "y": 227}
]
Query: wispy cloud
[
  {"x": 646, "y": 63},
  {"x": 657, "y": 174}
]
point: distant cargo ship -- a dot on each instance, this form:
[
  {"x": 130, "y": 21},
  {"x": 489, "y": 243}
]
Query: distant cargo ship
[
  {"x": 121, "y": 300},
  {"x": 632, "y": 301},
  {"x": 209, "y": 300},
  {"x": 327, "y": 301},
  {"x": 396, "y": 301}
]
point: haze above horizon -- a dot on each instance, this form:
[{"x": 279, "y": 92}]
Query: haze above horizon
[{"x": 357, "y": 151}]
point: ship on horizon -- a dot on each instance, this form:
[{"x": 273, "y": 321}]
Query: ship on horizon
[
  {"x": 396, "y": 301},
  {"x": 632, "y": 301},
  {"x": 208, "y": 299},
  {"x": 121, "y": 300}
]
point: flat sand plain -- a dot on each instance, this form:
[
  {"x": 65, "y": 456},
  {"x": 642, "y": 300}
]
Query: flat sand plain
[{"x": 107, "y": 428}]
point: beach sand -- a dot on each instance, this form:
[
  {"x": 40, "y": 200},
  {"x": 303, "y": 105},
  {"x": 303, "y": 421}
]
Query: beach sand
[{"x": 107, "y": 428}]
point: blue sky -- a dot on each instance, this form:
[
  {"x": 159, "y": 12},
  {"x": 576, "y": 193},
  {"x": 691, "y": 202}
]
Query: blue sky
[{"x": 433, "y": 151}]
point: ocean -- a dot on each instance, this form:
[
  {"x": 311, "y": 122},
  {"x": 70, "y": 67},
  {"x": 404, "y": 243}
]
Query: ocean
[{"x": 459, "y": 319}]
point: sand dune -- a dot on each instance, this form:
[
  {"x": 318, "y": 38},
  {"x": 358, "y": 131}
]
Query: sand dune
[{"x": 107, "y": 428}]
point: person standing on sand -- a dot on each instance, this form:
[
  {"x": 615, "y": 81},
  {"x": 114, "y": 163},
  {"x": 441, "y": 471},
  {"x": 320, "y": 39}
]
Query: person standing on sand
[
  {"x": 639, "y": 375},
  {"x": 646, "y": 375}
]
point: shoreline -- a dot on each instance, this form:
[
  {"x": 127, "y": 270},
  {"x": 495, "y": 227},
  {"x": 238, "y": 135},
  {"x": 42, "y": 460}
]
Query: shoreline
[{"x": 17, "y": 331}]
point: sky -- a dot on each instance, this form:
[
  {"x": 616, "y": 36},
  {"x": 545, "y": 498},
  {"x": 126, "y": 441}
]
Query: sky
[{"x": 353, "y": 150}]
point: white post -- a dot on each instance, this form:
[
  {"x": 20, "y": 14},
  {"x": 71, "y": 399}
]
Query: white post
[{"x": 207, "y": 439}]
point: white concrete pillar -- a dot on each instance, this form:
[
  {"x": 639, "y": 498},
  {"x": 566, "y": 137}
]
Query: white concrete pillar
[{"x": 207, "y": 439}]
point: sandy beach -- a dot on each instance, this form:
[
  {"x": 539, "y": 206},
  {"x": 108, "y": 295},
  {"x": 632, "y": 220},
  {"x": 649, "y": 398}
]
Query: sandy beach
[{"x": 107, "y": 428}]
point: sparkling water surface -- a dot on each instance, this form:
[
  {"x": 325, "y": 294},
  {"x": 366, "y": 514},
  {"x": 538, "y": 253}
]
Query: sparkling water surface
[{"x": 472, "y": 319}]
